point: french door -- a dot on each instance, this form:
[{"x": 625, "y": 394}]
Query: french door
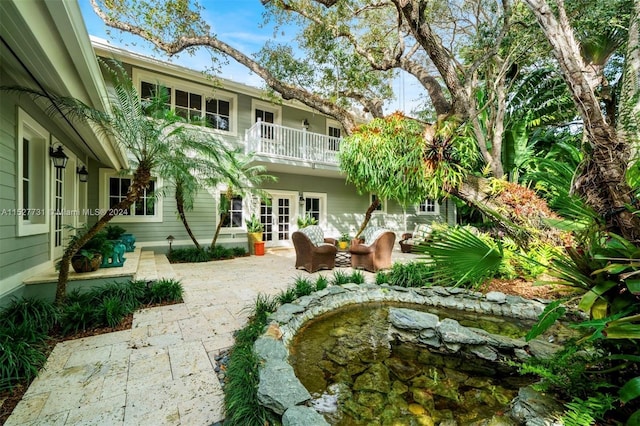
[
  {"x": 64, "y": 206},
  {"x": 277, "y": 215}
]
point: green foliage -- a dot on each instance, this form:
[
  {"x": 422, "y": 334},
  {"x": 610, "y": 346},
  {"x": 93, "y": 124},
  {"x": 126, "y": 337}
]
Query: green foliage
[
  {"x": 199, "y": 255},
  {"x": 585, "y": 412},
  {"x": 254, "y": 224},
  {"x": 461, "y": 258},
  {"x": 114, "y": 232},
  {"x": 164, "y": 290},
  {"x": 411, "y": 274},
  {"x": 341, "y": 278},
  {"x": 240, "y": 396},
  {"x": 321, "y": 283},
  {"x": 303, "y": 286},
  {"x": 38, "y": 315},
  {"x": 78, "y": 316},
  {"x": 286, "y": 296},
  {"x": 389, "y": 156},
  {"x": 20, "y": 358},
  {"x": 306, "y": 220},
  {"x": 111, "y": 311}
]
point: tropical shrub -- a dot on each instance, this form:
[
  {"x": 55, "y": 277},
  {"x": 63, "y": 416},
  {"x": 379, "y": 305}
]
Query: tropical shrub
[
  {"x": 412, "y": 274},
  {"x": 604, "y": 268},
  {"x": 164, "y": 290}
]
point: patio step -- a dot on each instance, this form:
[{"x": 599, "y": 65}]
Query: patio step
[{"x": 152, "y": 267}]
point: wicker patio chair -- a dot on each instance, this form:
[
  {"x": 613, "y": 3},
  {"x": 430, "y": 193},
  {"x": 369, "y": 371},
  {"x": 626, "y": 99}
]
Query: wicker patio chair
[
  {"x": 313, "y": 251},
  {"x": 373, "y": 252}
]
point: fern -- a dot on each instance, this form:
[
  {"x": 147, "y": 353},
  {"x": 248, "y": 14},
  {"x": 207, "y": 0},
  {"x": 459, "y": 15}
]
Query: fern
[{"x": 585, "y": 412}]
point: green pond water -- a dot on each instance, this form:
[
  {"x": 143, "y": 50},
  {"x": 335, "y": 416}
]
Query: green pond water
[{"x": 358, "y": 377}]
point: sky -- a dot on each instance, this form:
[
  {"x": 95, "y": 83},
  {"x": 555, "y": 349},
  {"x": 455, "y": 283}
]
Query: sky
[{"x": 239, "y": 23}]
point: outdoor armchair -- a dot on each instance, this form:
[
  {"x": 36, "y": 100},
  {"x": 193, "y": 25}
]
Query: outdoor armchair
[
  {"x": 420, "y": 235},
  {"x": 373, "y": 252},
  {"x": 313, "y": 251}
]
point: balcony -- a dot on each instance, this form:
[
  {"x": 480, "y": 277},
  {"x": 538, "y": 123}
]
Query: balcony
[{"x": 292, "y": 146}]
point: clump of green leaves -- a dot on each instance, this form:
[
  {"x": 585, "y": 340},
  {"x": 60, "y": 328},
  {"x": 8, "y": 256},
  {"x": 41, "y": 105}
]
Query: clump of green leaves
[
  {"x": 411, "y": 274},
  {"x": 240, "y": 396},
  {"x": 199, "y": 255}
]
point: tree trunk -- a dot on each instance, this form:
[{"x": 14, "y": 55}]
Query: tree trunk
[
  {"x": 181, "y": 212},
  {"x": 141, "y": 179},
  {"x": 367, "y": 216},
  {"x": 600, "y": 179},
  {"x": 223, "y": 217}
]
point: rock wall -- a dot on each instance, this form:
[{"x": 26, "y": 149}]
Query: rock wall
[{"x": 281, "y": 391}]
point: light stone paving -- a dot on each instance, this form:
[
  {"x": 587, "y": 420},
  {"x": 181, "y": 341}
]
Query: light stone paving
[{"x": 161, "y": 372}]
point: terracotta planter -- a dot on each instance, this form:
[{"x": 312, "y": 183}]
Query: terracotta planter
[
  {"x": 254, "y": 237},
  {"x": 82, "y": 264}
]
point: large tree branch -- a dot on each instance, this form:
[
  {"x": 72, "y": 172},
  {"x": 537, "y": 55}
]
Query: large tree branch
[
  {"x": 287, "y": 91},
  {"x": 413, "y": 11}
]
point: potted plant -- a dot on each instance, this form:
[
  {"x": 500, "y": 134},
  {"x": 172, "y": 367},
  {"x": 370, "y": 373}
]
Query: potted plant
[
  {"x": 114, "y": 232},
  {"x": 254, "y": 232},
  {"x": 343, "y": 241},
  {"x": 306, "y": 220},
  {"x": 89, "y": 257}
]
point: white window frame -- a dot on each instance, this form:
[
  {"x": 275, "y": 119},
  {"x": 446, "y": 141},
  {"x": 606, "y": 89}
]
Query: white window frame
[
  {"x": 382, "y": 201},
  {"x": 103, "y": 205},
  {"x": 39, "y": 182},
  {"x": 138, "y": 76},
  {"x": 266, "y": 106},
  {"x": 323, "y": 205},
  {"x": 435, "y": 212},
  {"x": 246, "y": 209}
]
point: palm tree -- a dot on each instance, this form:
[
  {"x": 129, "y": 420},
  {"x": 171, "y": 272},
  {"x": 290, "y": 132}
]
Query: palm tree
[
  {"x": 151, "y": 137},
  {"x": 244, "y": 184}
]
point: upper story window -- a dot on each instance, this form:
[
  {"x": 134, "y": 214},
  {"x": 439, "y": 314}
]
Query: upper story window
[
  {"x": 197, "y": 103},
  {"x": 33, "y": 165},
  {"x": 334, "y": 131},
  {"x": 218, "y": 114},
  {"x": 428, "y": 206}
]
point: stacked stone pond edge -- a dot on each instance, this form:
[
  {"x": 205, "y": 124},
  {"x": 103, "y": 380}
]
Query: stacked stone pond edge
[{"x": 281, "y": 391}]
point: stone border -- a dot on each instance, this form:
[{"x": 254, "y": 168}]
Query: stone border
[{"x": 280, "y": 390}]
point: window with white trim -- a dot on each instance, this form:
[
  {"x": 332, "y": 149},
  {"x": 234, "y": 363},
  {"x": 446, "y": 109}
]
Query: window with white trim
[
  {"x": 114, "y": 187},
  {"x": 334, "y": 131},
  {"x": 233, "y": 218},
  {"x": 382, "y": 206},
  {"x": 428, "y": 206},
  {"x": 195, "y": 102},
  {"x": 33, "y": 167}
]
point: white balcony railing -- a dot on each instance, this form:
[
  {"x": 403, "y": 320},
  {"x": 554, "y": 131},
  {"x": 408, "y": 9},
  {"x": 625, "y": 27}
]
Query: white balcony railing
[{"x": 292, "y": 144}]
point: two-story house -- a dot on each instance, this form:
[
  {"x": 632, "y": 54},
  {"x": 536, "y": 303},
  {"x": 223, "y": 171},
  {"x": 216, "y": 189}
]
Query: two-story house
[
  {"x": 57, "y": 173},
  {"x": 296, "y": 144}
]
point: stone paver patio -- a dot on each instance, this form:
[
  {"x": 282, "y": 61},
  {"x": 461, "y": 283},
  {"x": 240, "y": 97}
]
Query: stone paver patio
[{"x": 161, "y": 372}]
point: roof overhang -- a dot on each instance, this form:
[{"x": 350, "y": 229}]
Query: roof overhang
[{"x": 48, "y": 47}]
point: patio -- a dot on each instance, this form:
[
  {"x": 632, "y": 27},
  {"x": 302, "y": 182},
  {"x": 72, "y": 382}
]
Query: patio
[{"x": 162, "y": 370}]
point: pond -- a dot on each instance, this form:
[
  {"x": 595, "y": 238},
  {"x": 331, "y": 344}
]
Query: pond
[{"x": 358, "y": 375}]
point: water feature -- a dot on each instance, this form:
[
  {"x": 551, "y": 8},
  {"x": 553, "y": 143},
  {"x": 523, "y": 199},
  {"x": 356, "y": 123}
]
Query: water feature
[{"x": 358, "y": 374}]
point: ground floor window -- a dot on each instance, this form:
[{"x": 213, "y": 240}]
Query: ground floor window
[
  {"x": 33, "y": 164},
  {"x": 148, "y": 207},
  {"x": 428, "y": 206},
  {"x": 233, "y": 217}
]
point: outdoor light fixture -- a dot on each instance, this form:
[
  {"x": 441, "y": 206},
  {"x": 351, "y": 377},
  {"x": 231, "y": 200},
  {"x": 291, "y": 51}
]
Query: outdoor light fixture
[
  {"x": 305, "y": 124},
  {"x": 83, "y": 174},
  {"x": 301, "y": 198},
  {"x": 59, "y": 157},
  {"x": 170, "y": 238}
]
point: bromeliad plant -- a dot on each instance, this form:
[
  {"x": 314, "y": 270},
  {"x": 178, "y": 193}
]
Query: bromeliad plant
[{"x": 605, "y": 268}]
